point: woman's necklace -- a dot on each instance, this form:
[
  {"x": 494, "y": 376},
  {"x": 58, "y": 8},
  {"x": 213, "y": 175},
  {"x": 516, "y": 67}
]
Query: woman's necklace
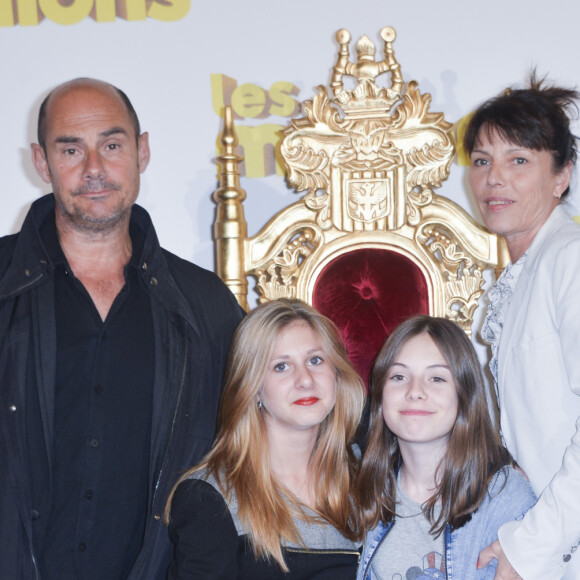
[{"x": 297, "y": 494}]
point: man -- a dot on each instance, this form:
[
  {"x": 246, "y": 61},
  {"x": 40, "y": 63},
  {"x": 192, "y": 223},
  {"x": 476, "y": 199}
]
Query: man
[{"x": 111, "y": 355}]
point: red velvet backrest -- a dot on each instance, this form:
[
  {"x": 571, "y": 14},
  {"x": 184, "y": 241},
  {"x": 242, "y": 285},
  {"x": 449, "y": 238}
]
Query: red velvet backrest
[{"x": 367, "y": 293}]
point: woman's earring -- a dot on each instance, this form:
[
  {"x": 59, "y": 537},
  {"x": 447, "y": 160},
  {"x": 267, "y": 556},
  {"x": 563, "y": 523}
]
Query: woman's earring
[{"x": 260, "y": 406}]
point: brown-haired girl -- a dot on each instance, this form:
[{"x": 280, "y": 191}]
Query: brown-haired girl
[{"x": 435, "y": 482}]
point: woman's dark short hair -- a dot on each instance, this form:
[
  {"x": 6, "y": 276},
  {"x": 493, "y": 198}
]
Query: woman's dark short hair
[{"x": 536, "y": 118}]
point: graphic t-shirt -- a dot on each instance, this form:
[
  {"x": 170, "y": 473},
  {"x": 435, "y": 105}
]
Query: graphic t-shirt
[{"x": 410, "y": 552}]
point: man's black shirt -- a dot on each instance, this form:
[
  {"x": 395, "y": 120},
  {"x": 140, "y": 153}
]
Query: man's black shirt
[{"x": 90, "y": 517}]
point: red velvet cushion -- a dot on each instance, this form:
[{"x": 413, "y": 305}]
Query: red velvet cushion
[{"x": 367, "y": 293}]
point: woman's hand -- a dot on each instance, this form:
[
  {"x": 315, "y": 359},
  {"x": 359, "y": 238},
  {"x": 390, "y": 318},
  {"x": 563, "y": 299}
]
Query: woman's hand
[{"x": 504, "y": 568}]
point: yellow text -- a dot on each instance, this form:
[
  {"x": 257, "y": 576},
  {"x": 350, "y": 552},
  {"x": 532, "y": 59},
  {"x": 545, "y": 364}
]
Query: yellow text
[
  {"x": 252, "y": 101},
  {"x": 32, "y": 12},
  {"x": 259, "y": 143},
  {"x": 259, "y": 148},
  {"x": 460, "y": 126}
]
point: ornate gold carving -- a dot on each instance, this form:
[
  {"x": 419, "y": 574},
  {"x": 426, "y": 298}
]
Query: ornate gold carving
[
  {"x": 358, "y": 144},
  {"x": 417, "y": 198},
  {"x": 463, "y": 278},
  {"x": 304, "y": 151},
  {"x": 369, "y": 156},
  {"x": 319, "y": 203},
  {"x": 368, "y": 200},
  {"x": 278, "y": 278},
  {"x": 366, "y": 97}
]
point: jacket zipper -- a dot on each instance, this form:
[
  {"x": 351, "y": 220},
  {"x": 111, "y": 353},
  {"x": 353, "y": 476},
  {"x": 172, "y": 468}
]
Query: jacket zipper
[
  {"x": 34, "y": 563},
  {"x": 182, "y": 382},
  {"x": 325, "y": 552},
  {"x": 4, "y": 297},
  {"x": 22, "y": 288}
]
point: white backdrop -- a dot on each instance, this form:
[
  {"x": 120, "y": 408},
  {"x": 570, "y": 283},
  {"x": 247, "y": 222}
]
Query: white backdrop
[{"x": 461, "y": 52}]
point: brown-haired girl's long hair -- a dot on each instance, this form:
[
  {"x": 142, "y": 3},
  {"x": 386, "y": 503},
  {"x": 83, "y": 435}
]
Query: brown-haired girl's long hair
[
  {"x": 239, "y": 457},
  {"x": 474, "y": 450}
]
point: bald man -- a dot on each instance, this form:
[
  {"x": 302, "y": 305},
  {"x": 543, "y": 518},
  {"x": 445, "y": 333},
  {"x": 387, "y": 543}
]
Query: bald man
[{"x": 111, "y": 355}]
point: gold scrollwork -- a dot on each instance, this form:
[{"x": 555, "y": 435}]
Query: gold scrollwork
[
  {"x": 319, "y": 203},
  {"x": 371, "y": 131},
  {"x": 463, "y": 278},
  {"x": 307, "y": 156},
  {"x": 417, "y": 198},
  {"x": 278, "y": 278},
  {"x": 368, "y": 155},
  {"x": 459, "y": 308}
]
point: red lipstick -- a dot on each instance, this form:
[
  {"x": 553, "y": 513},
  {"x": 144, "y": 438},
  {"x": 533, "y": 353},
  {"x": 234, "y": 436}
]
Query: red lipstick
[{"x": 306, "y": 401}]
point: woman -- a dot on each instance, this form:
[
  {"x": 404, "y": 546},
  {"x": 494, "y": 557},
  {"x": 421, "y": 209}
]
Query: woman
[
  {"x": 522, "y": 154},
  {"x": 435, "y": 482},
  {"x": 272, "y": 499}
]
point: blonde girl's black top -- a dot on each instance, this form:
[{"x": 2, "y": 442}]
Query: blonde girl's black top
[{"x": 210, "y": 543}]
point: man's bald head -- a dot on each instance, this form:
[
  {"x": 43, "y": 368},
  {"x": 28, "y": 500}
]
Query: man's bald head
[{"x": 82, "y": 82}]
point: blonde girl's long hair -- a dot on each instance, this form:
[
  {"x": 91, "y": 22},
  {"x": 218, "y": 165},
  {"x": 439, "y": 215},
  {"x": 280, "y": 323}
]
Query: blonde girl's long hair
[
  {"x": 239, "y": 458},
  {"x": 474, "y": 450}
]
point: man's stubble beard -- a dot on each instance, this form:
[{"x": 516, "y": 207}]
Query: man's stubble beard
[{"x": 86, "y": 223}]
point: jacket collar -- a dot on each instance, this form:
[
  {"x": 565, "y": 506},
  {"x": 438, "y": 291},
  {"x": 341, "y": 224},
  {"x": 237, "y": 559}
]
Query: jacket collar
[{"x": 31, "y": 262}]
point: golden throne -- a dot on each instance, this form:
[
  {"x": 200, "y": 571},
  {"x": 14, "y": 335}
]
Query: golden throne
[{"x": 370, "y": 243}]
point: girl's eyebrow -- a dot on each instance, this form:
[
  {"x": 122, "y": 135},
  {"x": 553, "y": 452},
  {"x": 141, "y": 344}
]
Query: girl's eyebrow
[
  {"x": 285, "y": 356},
  {"x": 432, "y": 366}
]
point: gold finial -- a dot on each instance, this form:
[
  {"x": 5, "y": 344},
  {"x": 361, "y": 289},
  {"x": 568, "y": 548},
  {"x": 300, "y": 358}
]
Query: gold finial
[
  {"x": 229, "y": 228},
  {"x": 343, "y": 36},
  {"x": 367, "y": 95},
  {"x": 365, "y": 48},
  {"x": 229, "y": 137},
  {"x": 388, "y": 34}
]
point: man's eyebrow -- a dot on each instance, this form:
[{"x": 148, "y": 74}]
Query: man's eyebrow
[
  {"x": 107, "y": 133},
  {"x": 67, "y": 140},
  {"x": 113, "y": 131}
]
